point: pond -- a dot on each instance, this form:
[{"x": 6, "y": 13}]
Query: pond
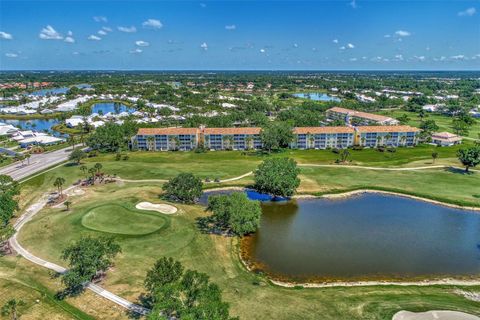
[
  {"x": 53, "y": 91},
  {"x": 317, "y": 96},
  {"x": 113, "y": 107},
  {"x": 43, "y": 125},
  {"x": 365, "y": 237}
]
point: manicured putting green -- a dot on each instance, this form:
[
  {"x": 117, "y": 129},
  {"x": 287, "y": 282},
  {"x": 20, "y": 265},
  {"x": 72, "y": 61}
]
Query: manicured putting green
[{"x": 114, "y": 218}]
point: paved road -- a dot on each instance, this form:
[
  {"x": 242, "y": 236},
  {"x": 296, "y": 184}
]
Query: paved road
[
  {"x": 27, "y": 216},
  {"x": 36, "y": 163}
]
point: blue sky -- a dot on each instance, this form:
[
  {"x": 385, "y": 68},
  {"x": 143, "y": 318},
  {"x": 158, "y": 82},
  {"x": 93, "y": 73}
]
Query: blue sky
[{"x": 246, "y": 35}]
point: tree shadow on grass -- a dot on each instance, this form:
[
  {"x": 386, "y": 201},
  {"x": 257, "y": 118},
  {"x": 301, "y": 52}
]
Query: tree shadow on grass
[
  {"x": 208, "y": 225},
  {"x": 458, "y": 171}
]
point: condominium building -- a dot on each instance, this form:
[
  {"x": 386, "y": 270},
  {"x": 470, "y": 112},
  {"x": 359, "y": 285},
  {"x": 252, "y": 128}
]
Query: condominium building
[
  {"x": 184, "y": 139},
  {"x": 164, "y": 139},
  {"x": 231, "y": 138},
  {"x": 356, "y": 118},
  {"x": 322, "y": 137},
  {"x": 390, "y": 136}
]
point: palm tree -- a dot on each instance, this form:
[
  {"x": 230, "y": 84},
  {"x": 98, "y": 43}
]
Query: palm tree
[
  {"x": 92, "y": 171},
  {"x": 363, "y": 141},
  {"x": 151, "y": 143},
  {"x": 403, "y": 140},
  {"x": 84, "y": 170},
  {"x": 434, "y": 156},
  {"x": 98, "y": 167},
  {"x": 67, "y": 204},
  {"x": 27, "y": 156},
  {"x": 311, "y": 141},
  {"x": 228, "y": 142},
  {"x": 379, "y": 138},
  {"x": 174, "y": 141},
  {"x": 10, "y": 308},
  {"x": 249, "y": 142},
  {"x": 71, "y": 141},
  {"x": 388, "y": 137},
  {"x": 59, "y": 182}
]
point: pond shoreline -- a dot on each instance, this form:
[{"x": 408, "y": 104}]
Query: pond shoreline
[{"x": 347, "y": 194}]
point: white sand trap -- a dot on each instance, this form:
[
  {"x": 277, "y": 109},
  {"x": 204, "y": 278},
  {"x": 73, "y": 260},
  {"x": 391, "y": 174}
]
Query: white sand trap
[
  {"x": 434, "y": 315},
  {"x": 159, "y": 207}
]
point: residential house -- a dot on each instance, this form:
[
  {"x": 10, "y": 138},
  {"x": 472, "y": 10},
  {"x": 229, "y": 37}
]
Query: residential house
[{"x": 445, "y": 139}]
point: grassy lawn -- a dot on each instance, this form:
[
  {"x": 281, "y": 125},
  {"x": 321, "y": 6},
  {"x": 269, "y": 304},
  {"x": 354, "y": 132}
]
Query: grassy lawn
[
  {"x": 251, "y": 296},
  {"x": 444, "y": 185},
  {"x": 20, "y": 279},
  {"x": 444, "y": 122}
]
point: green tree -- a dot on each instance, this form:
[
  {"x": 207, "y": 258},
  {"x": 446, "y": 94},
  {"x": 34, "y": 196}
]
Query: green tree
[
  {"x": 184, "y": 188},
  {"x": 460, "y": 127},
  {"x": 77, "y": 155},
  {"x": 276, "y": 135},
  {"x": 58, "y": 183},
  {"x": 404, "y": 119},
  {"x": 429, "y": 126},
  {"x": 183, "y": 295},
  {"x": 67, "y": 204},
  {"x": 10, "y": 309},
  {"x": 278, "y": 177},
  {"x": 235, "y": 213},
  {"x": 87, "y": 258},
  {"x": 469, "y": 157},
  {"x": 9, "y": 189}
]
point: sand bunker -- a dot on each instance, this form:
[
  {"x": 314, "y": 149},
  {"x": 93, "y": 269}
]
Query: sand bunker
[
  {"x": 162, "y": 208},
  {"x": 434, "y": 315}
]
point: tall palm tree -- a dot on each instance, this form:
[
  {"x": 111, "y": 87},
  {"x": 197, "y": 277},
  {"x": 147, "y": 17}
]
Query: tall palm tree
[
  {"x": 84, "y": 170},
  {"x": 151, "y": 143},
  {"x": 98, "y": 167},
  {"x": 59, "y": 182}
]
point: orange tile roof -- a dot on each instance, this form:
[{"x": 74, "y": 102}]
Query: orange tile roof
[
  {"x": 361, "y": 114},
  {"x": 363, "y": 129},
  {"x": 166, "y": 131},
  {"x": 315, "y": 130},
  {"x": 245, "y": 130}
]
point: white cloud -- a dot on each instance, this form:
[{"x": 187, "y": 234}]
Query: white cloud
[
  {"x": 230, "y": 27},
  {"x": 295, "y": 45},
  {"x": 6, "y": 36},
  {"x": 75, "y": 53},
  {"x": 107, "y": 29},
  {"x": 458, "y": 57},
  {"x": 468, "y": 12},
  {"x": 262, "y": 50},
  {"x": 100, "y": 19},
  {"x": 152, "y": 23},
  {"x": 69, "y": 39},
  {"x": 204, "y": 46},
  {"x": 94, "y": 37},
  {"x": 102, "y": 32},
  {"x": 353, "y": 59},
  {"x": 335, "y": 40},
  {"x": 350, "y": 46},
  {"x": 420, "y": 58},
  {"x": 399, "y": 57},
  {"x": 342, "y": 48},
  {"x": 11, "y": 55},
  {"x": 387, "y": 36},
  {"x": 136, "y": 51},
  {"x": 127, "y": 29},
  {"x": 353, "y": 4},
  {"x": 49, "y": 33},
  {"x": 141, "y": 43},
  {"x": 402, "y": 33}
]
